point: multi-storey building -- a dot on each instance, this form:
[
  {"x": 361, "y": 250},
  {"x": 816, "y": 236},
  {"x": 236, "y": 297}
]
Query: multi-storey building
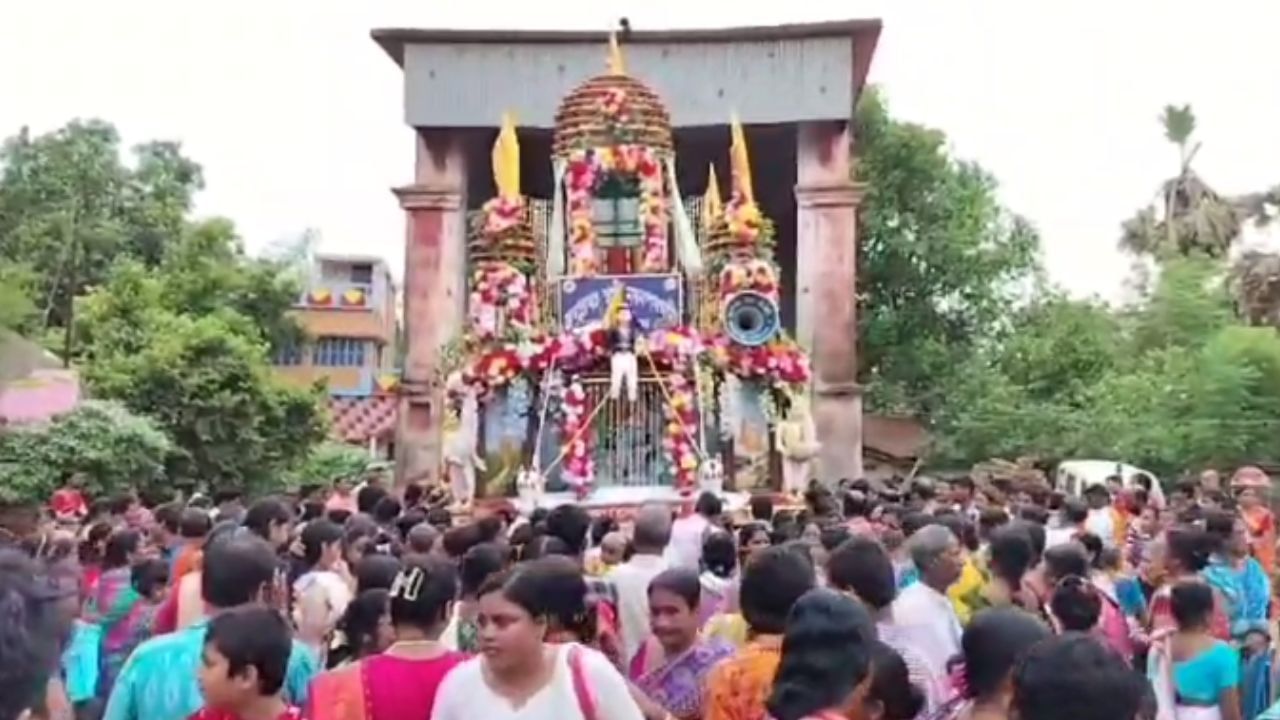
[{"x": 348, "y": 310}]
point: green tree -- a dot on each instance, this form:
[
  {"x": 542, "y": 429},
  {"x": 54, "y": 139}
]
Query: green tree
[
  {"x": 1175, "y": 383},
  {"x": 70, "y": 206},
  {"x": 941, "y": 262},
  {"x": 17, "y": 286},
  {"x": 115, "y": 448},
  {"x": 188, "y": 346},
  {"x": 1188, "y": 304},
  {"x": 1028, "y": 392}
]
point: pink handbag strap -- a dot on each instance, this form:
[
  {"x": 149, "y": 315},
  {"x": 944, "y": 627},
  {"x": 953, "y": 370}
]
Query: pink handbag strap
[{"x": 581, "y": 690}]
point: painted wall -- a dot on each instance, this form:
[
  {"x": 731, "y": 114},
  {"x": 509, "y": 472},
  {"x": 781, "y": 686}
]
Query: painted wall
[{"x": 342, "y": 380}]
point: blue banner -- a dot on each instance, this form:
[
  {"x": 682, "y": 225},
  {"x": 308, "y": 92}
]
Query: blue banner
[{"x": 655, "y": 300}]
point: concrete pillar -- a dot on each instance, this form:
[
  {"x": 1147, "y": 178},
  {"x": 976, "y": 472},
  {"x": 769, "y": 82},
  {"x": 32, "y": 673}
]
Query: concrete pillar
[
  {"x": 826, "y": 291},
  {"x": 434, "y": 295}
]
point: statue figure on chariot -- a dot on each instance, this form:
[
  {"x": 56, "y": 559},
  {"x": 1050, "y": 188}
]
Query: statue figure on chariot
[{"x": 590, "y": 314}]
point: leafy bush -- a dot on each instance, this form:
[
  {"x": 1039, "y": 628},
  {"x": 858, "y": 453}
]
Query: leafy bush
[
  {"x": 329, "y": 461},
  {"x": 113, "y": 447}
]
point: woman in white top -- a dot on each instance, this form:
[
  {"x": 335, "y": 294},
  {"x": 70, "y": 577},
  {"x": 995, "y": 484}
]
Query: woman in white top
[
  {"x": 322, "y": 594},
  {"x": 519, "y": 675}
]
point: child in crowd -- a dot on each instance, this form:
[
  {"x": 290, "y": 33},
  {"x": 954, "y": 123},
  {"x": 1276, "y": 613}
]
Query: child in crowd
[
  {"x": 150, "y": 580},
  {"x": 246, "y": 656}
]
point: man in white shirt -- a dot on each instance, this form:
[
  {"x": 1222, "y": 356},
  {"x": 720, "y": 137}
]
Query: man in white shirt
[
  {"x": 923, "y": 613},
  {"x": 687, "y": 534},
  {"x": 1072, "y": 523},
  {"x": 1101, "y": 520},
  {"x": 649, "y": 538}
]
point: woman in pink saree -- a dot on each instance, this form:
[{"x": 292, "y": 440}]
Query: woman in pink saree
[
  {"x": 400, "y": 683},
  {"x": 670, "y": 669}
]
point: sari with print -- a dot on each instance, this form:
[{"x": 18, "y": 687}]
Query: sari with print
[
  {"x": 1245, "y": 591},
  {"x": 677, "y": 683},
  {"x": 738, "y": 686},
  {"x": 114, "y": 608}
]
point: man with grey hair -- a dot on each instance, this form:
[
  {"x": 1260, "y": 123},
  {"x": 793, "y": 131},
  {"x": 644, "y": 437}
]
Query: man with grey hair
[
  {"x": 650, "y": 534},
  {"x": 924, "y": 614}
]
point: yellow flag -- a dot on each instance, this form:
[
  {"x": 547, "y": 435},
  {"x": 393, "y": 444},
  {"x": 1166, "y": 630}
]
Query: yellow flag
[
  {"x": 740, "y": 161},
  {"x": 615, "y": 306},
  {"x": 506, "y": 160},
  {"x": 711, "y": 200},
  {"x": 616, "y": 66}
]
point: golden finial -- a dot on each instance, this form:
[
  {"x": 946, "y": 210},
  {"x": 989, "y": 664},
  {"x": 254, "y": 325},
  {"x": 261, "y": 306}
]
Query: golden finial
[
  {"x": 616, "y": 66},
  {"x": 506, "y": 160},
  {"x": 740, "y": 161},
  {"x": 711, "y": 200}
]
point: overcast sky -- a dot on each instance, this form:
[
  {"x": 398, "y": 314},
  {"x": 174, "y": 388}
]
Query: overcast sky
[{"x": 295, "y": 113}]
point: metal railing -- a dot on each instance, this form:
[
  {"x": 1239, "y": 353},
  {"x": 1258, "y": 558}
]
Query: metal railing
[{"x": 628, "y": 436}]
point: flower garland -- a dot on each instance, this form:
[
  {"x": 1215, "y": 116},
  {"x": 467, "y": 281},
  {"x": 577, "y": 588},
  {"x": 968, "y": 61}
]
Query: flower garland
[
  {"x": 676, "y": 348},
  {"x": 675, "y": 352},
  {"x": 682, "y": 418},
  {"x": 586, "y": 170},
  {"x": 500, "y": 361},
  {"x": 780, "y": 362},
  {"x": 502, "y": 215},
  {"x": 493, "y": 369},
  {"x": 499, "y": 293},
  {"x": 756, "y": 275},
  {"x": 613, "y": 104},
  {"x": 579, "y": 467}
]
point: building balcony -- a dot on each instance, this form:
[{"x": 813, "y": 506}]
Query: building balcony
[
  {"x": 338, "y": 295},
  {"x": 343, "y": 381}
]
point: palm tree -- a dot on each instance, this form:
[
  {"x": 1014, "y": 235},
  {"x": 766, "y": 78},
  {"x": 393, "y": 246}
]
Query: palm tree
[{"x": 1189, "y": 217}]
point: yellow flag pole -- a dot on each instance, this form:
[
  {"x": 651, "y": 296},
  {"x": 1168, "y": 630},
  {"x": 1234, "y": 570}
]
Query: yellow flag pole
[
  {"x": 615, "y": 64},
  {"x": 741, "y": 161}
]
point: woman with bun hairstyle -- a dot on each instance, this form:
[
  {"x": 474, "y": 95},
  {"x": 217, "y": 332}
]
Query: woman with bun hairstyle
[
  {"x": 991, "y": 647},
  {"x": 401, "y": 682}
]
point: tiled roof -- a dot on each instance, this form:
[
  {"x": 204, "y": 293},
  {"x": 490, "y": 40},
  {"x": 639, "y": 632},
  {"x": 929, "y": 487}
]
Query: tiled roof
[
  {"x": 894, "y": 436},
  {"x": 356, "y": 419}
]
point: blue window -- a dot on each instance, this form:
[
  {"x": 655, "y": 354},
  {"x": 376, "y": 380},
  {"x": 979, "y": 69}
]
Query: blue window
[
  {"x": 338, "y": 352},
  {"x": 290, "y": 354}
]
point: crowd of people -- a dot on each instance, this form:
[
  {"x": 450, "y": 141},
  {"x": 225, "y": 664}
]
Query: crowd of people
[{"x": 886, "y": 601}]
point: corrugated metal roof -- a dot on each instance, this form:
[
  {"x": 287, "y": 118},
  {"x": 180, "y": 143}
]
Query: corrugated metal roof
[
  {"x": 393, "y": 40},
  {"x": 467, "y": 78},
  {"x": 701, "y": 83}
]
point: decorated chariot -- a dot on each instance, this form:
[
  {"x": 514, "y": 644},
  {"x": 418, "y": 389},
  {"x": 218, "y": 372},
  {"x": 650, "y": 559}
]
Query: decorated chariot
[{"x": 617, "y": 333}]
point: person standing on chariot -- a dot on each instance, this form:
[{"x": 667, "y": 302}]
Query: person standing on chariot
[{"x": 624, "y": 339}]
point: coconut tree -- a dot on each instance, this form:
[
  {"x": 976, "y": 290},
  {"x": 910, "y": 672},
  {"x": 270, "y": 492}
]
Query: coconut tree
[{"x": 1188, "y": 216}]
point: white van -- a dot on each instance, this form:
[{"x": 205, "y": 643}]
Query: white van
[{"x": 1074, "y": 476}]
